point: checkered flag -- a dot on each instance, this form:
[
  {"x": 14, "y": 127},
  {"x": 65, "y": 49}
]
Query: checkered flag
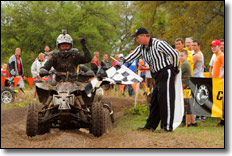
[{"x": 122, "y": 75}]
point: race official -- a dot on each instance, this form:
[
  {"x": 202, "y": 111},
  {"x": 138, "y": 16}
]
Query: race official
[{"x": 163, "y": 62}]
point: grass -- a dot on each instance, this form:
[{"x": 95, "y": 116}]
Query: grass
[{"x": 206, "y": 135}]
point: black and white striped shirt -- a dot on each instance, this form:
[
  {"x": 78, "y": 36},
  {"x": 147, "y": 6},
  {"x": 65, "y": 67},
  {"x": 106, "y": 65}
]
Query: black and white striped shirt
[{"x": 156, "y": 54}]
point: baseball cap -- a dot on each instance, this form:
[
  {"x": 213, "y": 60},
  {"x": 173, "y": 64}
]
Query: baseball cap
[
  {"x": 120, "y": 55},
  {"x": 139, "y": 31},
  {"x": 215, "y": 43}
]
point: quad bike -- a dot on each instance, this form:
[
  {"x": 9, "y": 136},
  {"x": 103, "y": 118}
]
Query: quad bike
[
  {"x": 65, "y": 105},
  {"x": 7, "y": 91}
]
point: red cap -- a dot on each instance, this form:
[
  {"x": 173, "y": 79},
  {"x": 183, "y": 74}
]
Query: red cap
[{"x": 215, "y": 43}]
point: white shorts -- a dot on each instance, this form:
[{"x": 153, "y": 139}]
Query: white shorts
[{"x": 21, "y": 83}]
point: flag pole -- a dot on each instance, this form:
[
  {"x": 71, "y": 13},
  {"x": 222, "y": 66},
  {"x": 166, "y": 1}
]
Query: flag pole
[{"x": 137, "y": 89}]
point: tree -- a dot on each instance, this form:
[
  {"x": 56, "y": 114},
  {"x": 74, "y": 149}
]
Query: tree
[
  {"x": 31, "y": 25},
  {"x": 204, "y": 21}
]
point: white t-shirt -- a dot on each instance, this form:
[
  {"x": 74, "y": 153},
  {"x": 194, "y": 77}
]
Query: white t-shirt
[{"x": 212, "y": 60}]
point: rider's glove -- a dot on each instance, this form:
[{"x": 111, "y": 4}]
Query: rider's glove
[{"x": 82, "y": 41}]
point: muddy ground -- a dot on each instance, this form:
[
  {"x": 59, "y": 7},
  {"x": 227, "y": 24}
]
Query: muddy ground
[{"x": 13, "y": 134}]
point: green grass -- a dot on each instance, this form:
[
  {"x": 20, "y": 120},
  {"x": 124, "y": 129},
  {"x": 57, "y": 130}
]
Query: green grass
[{"x": 205, "y": 135}]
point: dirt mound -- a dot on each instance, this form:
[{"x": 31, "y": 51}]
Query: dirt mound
[{"x": 13, "y": 134}]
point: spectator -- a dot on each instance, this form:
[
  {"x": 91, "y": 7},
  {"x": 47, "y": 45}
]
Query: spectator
[
  {"x": 133, "y": 67},
  {"x": 121, "y": 56},
  {"x": 148, "y": 77},
  {"x": 4, "y": 71},
  {"x": 35, "y": 68},
  {"x": 16, "y": 70},
  {"x": 141, "y": 67},
  {"x": 116, "y": 56},
  {"x": 46, "y": 51},
  {"x": 186, "y": 73},
  {"x": 188, "y": 44},
  {"x": 94, "y": 66},
  {"x": 218, "y": 66},
  {"x": 179, "y": 43},
  {"x": 105, "y": 63},
  {"x": 213, "y": 57},
  {"x": 96, "y": 53},
  {"x": 198, "y": 60}
]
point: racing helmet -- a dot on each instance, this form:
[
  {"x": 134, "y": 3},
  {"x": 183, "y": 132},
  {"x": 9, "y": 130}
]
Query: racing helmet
[{"x": 64, "y": 38}]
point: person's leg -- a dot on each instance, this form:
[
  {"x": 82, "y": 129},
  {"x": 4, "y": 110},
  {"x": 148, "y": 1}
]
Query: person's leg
[
  {"x": 20, "y": 86},
  {"x": 130, "y": 90},
  {"x": 167, "y": 99},
  {"x": 154, "y": 116}
]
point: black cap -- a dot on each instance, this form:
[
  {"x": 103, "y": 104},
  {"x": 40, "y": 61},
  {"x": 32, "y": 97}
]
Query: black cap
[{"x": 139, "y": 31}]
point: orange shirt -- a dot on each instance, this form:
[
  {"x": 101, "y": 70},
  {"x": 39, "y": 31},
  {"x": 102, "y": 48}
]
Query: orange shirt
[{"x": 218, "y": 65}]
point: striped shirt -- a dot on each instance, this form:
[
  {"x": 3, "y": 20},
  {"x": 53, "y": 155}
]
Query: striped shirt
[{"x": 156, "y": 54}]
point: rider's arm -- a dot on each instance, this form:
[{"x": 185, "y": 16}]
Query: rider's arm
[{"x": 86, "y": 57}]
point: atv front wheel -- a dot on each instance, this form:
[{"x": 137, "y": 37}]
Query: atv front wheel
[
  {"x": 97, "y": 128},
  {"x": 108, "y": 126},
  {"x": 32, "y": 120}
]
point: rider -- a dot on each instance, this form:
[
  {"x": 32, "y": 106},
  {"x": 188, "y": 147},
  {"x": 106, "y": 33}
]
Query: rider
[{"x": 66, "y": 59}]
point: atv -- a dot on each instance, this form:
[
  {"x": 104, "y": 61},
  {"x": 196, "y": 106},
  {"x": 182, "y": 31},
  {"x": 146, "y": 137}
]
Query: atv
[
  {"x": 66, "y": 105},
  {"x": 7, "y": 91}
]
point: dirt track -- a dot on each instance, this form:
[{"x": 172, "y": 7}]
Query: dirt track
[{"x": 13, "y": 134}]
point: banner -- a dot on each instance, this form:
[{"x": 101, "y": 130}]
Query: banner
[
  {"x": 207, "y": 96},
  {"x": 179, "y": 101}
]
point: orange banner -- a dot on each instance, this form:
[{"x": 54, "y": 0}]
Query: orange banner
[
  {"x": 2, "y": 81},
  {"x": 45, "y": 79},
  {"x": 30, "y": 81},
  {"x": 134, "y": 86},
  {"x": 16, "y": 80},
  {"x": 122, "y": 87}
]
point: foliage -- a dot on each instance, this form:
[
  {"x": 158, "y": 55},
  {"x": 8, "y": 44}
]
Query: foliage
[
  {"x": 140, "y": 109},
  {"x": 31, "y": 25},
  {"x": 204, "y": 21}
]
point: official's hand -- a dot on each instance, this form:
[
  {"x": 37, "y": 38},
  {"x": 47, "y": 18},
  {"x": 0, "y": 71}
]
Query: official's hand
[{"x": 175, "y": 70}]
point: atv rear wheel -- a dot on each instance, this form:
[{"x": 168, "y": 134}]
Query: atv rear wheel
[
  {"x": 97, "y": 128},
  {"x": 32, "y": 120},
  {"x": 7, "y": 95}
]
